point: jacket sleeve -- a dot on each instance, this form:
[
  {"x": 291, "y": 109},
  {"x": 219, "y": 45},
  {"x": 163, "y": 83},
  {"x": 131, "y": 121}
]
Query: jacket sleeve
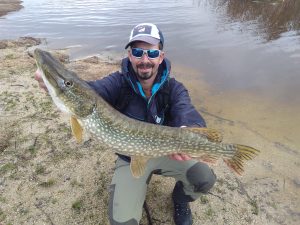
[
  {"x": 182, "y": 112},
  {"x": 108, "y": 87}
]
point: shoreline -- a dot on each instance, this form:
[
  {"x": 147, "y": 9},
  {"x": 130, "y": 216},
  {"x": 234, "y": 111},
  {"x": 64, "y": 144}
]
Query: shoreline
[
  {"x": 46, "y": 177},
  {"x": 8, "y": 6}
]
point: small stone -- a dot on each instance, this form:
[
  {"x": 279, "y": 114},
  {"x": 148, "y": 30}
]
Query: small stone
[
  {"x": 297, "y": 182},
  {"x": 2, "y": 181},
  {"x": 66, "y": 178}
]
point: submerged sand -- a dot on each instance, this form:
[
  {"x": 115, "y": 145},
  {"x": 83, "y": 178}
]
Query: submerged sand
[{"x": 47, "y": 178}]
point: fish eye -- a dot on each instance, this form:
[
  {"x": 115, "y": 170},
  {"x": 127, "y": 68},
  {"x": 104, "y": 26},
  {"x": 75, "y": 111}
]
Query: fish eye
[{"x": 68, "y": 83}]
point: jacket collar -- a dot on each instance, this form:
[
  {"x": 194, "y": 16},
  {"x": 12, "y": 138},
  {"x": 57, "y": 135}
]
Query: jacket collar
[{"x": 162, "y": 76}]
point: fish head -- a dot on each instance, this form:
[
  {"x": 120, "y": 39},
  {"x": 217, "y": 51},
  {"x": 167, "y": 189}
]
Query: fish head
[{"x": 71, "y": 94}]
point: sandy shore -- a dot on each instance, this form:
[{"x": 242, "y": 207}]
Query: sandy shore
[
  {"x": 7, "y": 6},
  {"x": 47, "y": 178}
]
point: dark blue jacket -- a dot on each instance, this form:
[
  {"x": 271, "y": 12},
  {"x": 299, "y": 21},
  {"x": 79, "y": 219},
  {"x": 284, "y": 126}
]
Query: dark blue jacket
[{"x": 124, "y": 92}]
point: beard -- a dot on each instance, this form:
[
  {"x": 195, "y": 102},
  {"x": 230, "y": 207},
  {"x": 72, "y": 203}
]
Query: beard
[{"x": 145, "y": 75}]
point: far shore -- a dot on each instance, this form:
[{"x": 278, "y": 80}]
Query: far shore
[{"x": 7, "y": 6}]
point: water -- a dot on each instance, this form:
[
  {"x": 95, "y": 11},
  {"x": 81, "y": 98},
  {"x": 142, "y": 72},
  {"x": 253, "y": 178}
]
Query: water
[{"x": 233, "y": 48}]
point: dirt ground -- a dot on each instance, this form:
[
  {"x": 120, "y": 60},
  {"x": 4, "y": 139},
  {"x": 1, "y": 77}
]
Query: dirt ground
[{"x": 47, "y": 178}]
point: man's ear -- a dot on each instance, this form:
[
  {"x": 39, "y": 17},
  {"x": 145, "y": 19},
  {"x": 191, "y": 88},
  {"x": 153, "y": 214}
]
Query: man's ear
[
  {"x": 129, "y": 55},
  {"x": 161, "y": 57}
]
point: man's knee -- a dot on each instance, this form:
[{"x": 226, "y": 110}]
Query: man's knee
[
  {"x": 110, "y": 211},
  {"x": 202, "y": 177}
]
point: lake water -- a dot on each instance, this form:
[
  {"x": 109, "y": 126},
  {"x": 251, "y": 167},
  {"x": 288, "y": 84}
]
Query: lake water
[
  {"x": 239, "y": 59},
  {"x": 231, "y": 43}
]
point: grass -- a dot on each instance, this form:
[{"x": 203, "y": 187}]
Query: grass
[
  {"x": 203, "y": 199},
  {"x": 40, "y": 169},
  {"x": 209, "y": 213},
  {"x": 220, "y": 181},
  {"x": 32, "y": 149},
  {"x": 2, "y": 215},
  {"x": 4, "y": 142},
  {"x": 254, "y": 205},
  {"x": 48, "y": 183},
  {"x": 220, "y": 190},
  {"x": 2, "y": 199},
  {"x": 76, "y": 183},
  {"x": 9, "y": 100},
  {"x": 273, "y": 205},
  {"x": 10, "y": 56},
  {"x": 77, "y": 205},
  {"x": 224, "y": 183},
  {"x": 7, "y": 167},
  {"x": 54, "y": 201}
]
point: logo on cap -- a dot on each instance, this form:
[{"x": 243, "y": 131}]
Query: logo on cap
[{"x": 142, "y": 30}]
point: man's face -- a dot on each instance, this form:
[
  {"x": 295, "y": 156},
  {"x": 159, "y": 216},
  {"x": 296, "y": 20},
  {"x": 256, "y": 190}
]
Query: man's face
[{"x": 144, "y": 67}]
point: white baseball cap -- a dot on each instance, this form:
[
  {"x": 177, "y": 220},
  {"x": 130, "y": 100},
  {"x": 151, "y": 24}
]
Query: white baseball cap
[{"x": 146, "y": 32}]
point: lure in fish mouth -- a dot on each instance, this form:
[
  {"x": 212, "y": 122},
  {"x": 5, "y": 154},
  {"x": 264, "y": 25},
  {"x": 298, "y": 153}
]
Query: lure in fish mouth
[{"x": 141, "y": 141}]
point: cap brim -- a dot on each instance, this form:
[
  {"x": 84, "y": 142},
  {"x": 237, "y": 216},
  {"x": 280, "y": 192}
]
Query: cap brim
[{"x": 147, "y": 39}]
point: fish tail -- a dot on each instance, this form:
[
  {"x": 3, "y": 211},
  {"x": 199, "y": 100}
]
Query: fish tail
[{"x": 242, "y": 154}]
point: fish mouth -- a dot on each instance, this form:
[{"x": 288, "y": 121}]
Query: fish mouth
[
  {"x": 55, "y": 77},
  {"x": 51, "y": 70}
]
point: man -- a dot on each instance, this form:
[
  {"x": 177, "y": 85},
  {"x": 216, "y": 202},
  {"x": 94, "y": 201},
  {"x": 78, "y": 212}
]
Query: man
[{"x": 144, "y": 91}]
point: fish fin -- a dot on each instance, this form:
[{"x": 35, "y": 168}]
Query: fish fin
[
  {"x": 211, "y": 134},
  {"x": 138, "y": 165},
  {"x": 209, "y": 159},
  {"x": 76, "y": 129},
  {"x": 242, "y": 153}
]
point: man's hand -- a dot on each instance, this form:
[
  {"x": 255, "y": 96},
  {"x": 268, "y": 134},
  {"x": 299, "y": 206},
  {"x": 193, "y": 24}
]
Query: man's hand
[
  {"x": 38, "y": 77},
  {"x": 180, "y": 157}
]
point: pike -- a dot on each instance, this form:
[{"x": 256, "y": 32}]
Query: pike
[{"x": 141, "y": 141}]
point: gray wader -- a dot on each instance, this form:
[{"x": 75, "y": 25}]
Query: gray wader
[{"x": 127, "y": 194}]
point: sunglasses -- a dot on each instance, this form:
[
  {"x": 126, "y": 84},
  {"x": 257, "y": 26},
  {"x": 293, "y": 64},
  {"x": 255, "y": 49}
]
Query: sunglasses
[{"x": 139, "y": 52}]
